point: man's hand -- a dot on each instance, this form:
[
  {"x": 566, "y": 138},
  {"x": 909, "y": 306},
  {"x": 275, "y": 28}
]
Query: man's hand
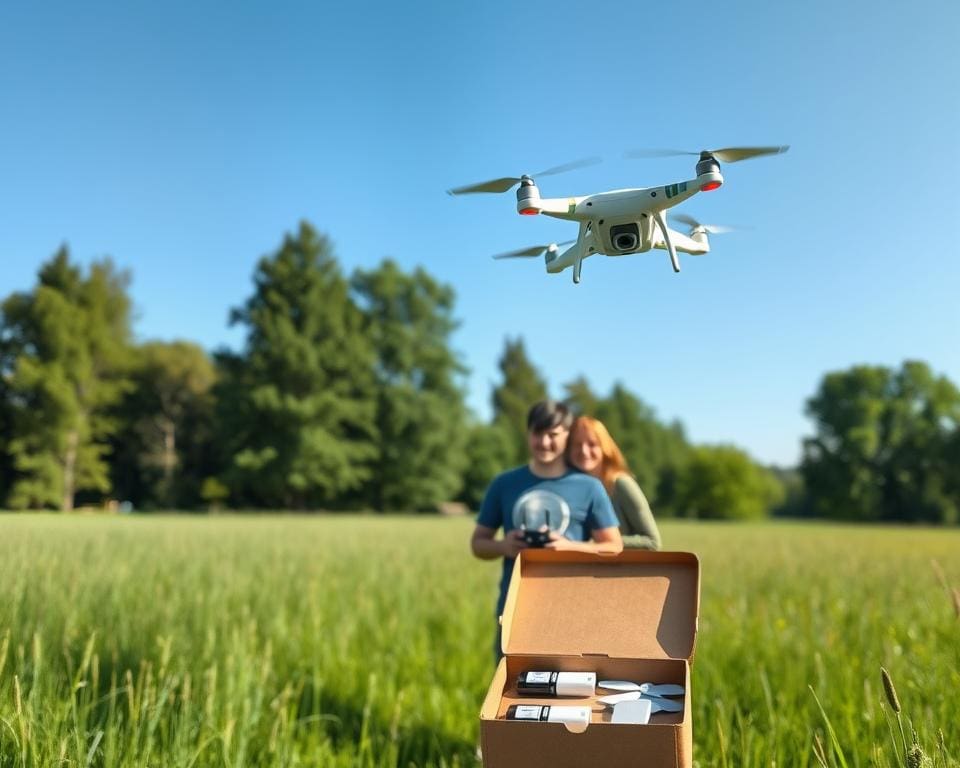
[
  {"x": 605, "y": 540},
  {"x": 486, "y": 546},
  {"x": 512, "y": 543},
  {"x": 560, "y": 543}
]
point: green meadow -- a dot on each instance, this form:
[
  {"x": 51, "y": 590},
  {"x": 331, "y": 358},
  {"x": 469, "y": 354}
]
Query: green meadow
[{"x": 365, "y": 641}]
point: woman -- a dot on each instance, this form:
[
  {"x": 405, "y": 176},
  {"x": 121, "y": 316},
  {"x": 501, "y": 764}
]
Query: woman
[{"x": 591, "y": 449}]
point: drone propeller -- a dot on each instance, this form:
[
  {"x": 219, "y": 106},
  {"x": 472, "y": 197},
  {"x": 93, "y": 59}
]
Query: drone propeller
[
  {"x": 713, "y": 229},
  {"x": 532, "y": 252},
  {"x": 507, "y": 182},
  {"x": 725, "y": 155}
]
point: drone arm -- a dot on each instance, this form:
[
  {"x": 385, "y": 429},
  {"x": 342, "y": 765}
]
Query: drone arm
[
  {"x": 674, "y": 194},
  {"x": 658, "y": 216},
  {"x": 696, "y": 244},
  {"x": 559, "y": 207}
]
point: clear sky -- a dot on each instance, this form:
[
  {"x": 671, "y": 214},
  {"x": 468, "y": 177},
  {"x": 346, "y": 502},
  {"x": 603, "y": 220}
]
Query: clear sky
[{"x": 184, "y": 139}]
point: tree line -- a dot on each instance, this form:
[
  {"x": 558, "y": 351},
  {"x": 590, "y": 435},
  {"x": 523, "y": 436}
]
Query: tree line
[{"x": 347, "y": 394}]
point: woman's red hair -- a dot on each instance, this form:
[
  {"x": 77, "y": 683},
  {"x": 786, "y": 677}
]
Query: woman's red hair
[{"x": 613, "y": 464}]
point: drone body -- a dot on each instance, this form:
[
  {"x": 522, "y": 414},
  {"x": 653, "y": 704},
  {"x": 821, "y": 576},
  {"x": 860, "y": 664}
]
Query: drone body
[{"x": 620, "y": 222}]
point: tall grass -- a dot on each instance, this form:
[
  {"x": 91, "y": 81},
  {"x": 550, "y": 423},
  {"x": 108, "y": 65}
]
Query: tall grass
[{"x": 361, "y": 641}]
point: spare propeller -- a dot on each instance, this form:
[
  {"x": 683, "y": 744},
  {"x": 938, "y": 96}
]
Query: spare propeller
[
  {"x": 713, "y": 229},
  {"x": 505, "y": 183},
  {"x": 725, "y": 155},
  {"x": 531, "y": 252}
]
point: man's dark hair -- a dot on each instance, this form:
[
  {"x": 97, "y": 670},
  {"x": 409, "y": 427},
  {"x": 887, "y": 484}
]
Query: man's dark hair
[{"x": 548, "y": 414}]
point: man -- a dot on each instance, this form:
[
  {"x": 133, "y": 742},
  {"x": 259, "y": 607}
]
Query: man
[{"x": 544, "y": 486}]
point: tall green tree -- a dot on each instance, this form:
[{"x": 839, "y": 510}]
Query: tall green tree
[
  {"x": 490, "y": 450},
  {"x": 521, "y": 387},
  {"x": 581, "y": 397},
  {"x": 796, "y": 501},
  {"x": 67, "y": 346},
  {"x": 296, "y": 409},
  {"x": 839, "y": 460},
  {"x": 420, "y": 414},
  {"x": 160, "y": 455},
  {"x": 882, "y": 445},
  {"x": 724, "y": 483},
  {"x": 925, "y": 416},
  {"x": 951, "y": 459},
  {"x": 656, "y": 452},
  {"x": 6, "y": 424}
]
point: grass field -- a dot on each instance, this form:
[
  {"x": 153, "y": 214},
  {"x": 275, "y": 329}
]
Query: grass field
[{"x": 363, "y": 641}]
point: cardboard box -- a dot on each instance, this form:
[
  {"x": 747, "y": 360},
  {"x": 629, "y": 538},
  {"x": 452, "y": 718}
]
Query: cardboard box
[{"x": 631, "y": 616}]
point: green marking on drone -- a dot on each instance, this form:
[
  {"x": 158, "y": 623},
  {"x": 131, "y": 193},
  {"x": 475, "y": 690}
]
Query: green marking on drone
[
  {"x": 675, "y": 189},
  {"x": 571, "y": 205}
]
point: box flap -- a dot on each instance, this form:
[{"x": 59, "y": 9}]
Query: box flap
[{"x": 636, "y": 604}]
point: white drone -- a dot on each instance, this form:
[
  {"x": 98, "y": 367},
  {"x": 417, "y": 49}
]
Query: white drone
[{"x": 621, "y": 222}]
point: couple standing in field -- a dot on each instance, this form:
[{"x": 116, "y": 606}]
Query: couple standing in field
[{"x": 575, "y": 473}]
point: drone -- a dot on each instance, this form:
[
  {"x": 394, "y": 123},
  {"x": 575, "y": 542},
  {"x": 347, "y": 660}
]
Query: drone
[{"x": 624, "y": 221}]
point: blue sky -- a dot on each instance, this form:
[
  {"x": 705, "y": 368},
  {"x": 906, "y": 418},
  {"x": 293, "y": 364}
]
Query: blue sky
[{"x": 184, "y": 139}]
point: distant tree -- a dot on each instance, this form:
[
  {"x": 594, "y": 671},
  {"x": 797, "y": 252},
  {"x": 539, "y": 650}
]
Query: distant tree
[
  {"x": 420, "y": 415},
  {"x": 882, "y": 447},
  {"x": 723, "y": 482},
  {"x": 838, "y": 461},
  {"x": 633, "y": 425},
  {"x": 159, "y": 455},
  {"x": 6, "y": 425},
  {"x": 924, "y": 418},
  {"x": 66, "y": 349},
  {"x": 489, "y": 452},
  {"x": 522, "y": 386},
  {"x": 296, "y": 408},
  {"x": 655, "y": 452},
  {"x": 581, "y": 397},
  {"x": 951, "y": 460},
  {"x": 796, "y": 501}
]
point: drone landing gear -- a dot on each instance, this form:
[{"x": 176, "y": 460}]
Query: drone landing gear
[
  {"x": 576, "y": 270},
  {"x": 658, "y": 216}
]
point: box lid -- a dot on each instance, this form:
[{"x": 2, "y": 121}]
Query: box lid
[{"x": 636, "y": 604}]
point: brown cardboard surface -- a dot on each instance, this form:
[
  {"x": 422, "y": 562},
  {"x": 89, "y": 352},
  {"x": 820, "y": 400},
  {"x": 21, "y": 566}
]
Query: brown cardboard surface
[
  {"x": 631, "y": 616},
  {"x": 550, "y": 745},
  {"x": 665, "y": 742},
  {"x": 640, "y": 605}
]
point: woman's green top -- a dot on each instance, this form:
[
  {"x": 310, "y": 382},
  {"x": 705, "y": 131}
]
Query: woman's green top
[{"x": 637, "y": 526}]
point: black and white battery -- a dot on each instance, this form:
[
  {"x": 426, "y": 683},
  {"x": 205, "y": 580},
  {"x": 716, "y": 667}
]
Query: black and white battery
[
  {"x": 571, "y": 716},
  {"x": 557, "y": 683}
]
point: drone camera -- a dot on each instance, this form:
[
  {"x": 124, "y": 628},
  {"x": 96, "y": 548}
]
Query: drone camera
[{"x": 625, "y": 237}]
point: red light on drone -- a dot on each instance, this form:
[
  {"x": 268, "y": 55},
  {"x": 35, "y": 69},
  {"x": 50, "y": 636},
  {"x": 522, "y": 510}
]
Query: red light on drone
[
  {"x": 710, "y": 186},
  {"x": 529, "y": 211}
]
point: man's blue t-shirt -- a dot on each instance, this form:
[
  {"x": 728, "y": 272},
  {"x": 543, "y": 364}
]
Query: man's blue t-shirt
[{"x": 582, "y": 495}]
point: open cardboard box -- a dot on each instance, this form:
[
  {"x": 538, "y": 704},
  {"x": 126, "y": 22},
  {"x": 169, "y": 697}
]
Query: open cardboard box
[{"x": 631, "y": 616}]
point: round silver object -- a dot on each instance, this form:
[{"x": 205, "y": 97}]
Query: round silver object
[{"x": 539, "y": 509}]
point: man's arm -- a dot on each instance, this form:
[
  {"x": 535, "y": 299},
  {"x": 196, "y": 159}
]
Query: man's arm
[
  {"x": 486, "y": 547},
  {"x": 605, "y": 541}
]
